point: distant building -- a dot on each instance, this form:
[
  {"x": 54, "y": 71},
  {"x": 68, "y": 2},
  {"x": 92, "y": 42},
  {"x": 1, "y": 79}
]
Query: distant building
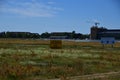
[
  {"x": 97, "y": 33},
  {"x": 61, "y": 35},
  {"x": 58, "y": 37}
]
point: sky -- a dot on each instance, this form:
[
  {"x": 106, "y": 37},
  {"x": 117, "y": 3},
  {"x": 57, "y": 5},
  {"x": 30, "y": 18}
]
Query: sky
[{"x": 40, "y": 16}]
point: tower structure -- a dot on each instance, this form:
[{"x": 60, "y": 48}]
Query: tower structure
[{"x": 93, "y": 33}]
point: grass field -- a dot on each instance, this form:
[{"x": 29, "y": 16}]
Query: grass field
[{"x": 33, "y": 59}]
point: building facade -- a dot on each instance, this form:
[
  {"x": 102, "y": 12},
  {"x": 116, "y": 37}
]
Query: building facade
[
  {"x": 97, "y": 33},
  {"x": 61, "y": 35}
]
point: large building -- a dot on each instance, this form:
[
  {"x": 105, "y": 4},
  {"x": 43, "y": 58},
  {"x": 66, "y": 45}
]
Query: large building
[
  {"x": 97, "y": 33},
  {"x": 61, "y": 35}
]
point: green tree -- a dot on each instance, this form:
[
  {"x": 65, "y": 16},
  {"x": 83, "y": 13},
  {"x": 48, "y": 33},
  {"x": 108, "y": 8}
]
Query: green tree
[{"x": 45, "y": 35}]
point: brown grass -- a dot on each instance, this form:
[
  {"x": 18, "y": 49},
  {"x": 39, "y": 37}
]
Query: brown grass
[{"x": 52, "y": 64}]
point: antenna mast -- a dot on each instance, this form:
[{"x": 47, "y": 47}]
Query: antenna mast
[{"x": 96, "y": 23}]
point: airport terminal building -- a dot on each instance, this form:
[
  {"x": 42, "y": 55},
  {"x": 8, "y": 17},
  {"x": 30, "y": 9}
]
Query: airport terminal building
[{"x": 97, "y": 33}]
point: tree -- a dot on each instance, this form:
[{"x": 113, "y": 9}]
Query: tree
[
  {"x": 45, "y": 35},
  {"x": 73, "y": 34},
  {"x": 19, "y": 35}
]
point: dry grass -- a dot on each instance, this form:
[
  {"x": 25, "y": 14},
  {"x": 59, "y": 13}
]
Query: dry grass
[
  {"x": 23, "y": 41},
  {"x": 33, "y": 59}
]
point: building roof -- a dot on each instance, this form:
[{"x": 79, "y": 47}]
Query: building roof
[
  {"x": 60, "y": 33},
  {"x": 58, "y": 37},
  {"x": 111, "y": 31}
]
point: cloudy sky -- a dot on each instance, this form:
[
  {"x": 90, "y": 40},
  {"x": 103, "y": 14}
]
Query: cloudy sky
[{"x": 58, "y": 15}]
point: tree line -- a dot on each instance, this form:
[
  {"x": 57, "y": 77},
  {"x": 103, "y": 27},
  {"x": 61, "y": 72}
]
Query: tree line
[
  {"x": 19, "y": 35},
  {"x": 72, "y": 35}
]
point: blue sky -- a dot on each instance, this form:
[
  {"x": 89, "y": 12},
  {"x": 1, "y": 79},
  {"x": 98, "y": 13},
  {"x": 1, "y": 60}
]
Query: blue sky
[{"x": 58, "y": 15}]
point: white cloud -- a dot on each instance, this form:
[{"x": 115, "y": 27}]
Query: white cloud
[{"x": 31, "y": 8}]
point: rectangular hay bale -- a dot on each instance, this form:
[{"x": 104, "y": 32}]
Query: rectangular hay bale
[{"x": 56, "y": 44}]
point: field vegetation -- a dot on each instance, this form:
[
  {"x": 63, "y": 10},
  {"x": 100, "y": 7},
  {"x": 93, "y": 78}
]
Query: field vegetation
[{"x": 34, "y": 60}]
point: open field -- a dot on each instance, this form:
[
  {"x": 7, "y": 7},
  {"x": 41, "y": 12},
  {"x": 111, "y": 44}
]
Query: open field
[{"x": 34, "y": 60}]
